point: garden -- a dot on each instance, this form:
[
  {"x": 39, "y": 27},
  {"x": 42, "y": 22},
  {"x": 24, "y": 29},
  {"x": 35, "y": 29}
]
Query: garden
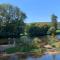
[{"x": 32, "y": 38}]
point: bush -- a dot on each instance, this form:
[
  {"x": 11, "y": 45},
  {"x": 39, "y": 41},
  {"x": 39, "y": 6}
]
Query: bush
[
  {"x": 36, "y": 43},
  {"x": 11, "y": 50},
  {"x": 24, "y": 41},
  {"x": 52, "y": 31},
  {"x": 37, "y": 31},
  {"x": 52, "y": 40},
  {"x": 16, "y": 49},
  {"x": 23, "y": 44}
]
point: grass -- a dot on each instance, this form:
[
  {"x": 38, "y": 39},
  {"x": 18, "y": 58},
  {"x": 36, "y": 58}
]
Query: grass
[
  {"x": 57, "y": 31},
  {"x": 18, "y": 49},
  {"x": 24, "y": 49},
  {"x": 12, "y": 50}
]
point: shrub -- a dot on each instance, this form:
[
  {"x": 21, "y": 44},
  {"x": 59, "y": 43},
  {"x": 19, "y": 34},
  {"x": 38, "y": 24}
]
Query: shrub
[
  {"x": 52, "y": 31},
  {"x": 16, "y": 49},
  {"x": 36, "y": 43},
  {"x": 37, "y": 31},
  {"x": 23, "y": 41},
  {"x": 11, "y": 50}
]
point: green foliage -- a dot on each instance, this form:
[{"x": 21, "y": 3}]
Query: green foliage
[
  {"x": 16, "y": 49},
  {"x": 36, "y": 42},
  {"x": 57, "y": 45},
  {"x": 57, "y": 31},
  {"x": 11, "y": 50},
  {"x": 52, "y": 40},
  {"x": 39, "y": 52},
  {"x": 11, "y": 21},
  {"x": 25, "y": 46},
  {"x": 37, "y": 31},
  {"x": 23, "y": 41},
  {"x": 27, "y": 26},
  {"x": 52, "y": 31}
]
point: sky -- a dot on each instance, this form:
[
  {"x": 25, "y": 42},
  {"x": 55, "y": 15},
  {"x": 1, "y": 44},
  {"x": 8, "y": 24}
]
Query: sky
[{"x": 37, "y": 10}]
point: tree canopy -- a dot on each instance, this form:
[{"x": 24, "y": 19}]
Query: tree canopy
[{"x": 11, "y": 21}]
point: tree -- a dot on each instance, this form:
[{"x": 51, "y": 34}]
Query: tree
[
  {"x": 37, "y": 31},
  {"x": 54, "y": 20},
  {"x": 11, "y": 21}
]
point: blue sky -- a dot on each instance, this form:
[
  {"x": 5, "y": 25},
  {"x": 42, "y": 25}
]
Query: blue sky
[{"x": 37, "y": 10}]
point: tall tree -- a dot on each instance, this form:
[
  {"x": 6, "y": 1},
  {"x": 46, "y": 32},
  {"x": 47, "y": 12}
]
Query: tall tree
[
  {"x": 54, "y": 20},
  {"x": 11, "y": 20}
]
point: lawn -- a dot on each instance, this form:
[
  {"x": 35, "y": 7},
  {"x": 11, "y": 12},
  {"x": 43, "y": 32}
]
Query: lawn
[{"x": 57, "y": 31}]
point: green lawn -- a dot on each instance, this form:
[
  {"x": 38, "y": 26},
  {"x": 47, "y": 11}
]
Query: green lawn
[{"x": 57, "y": 31}]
